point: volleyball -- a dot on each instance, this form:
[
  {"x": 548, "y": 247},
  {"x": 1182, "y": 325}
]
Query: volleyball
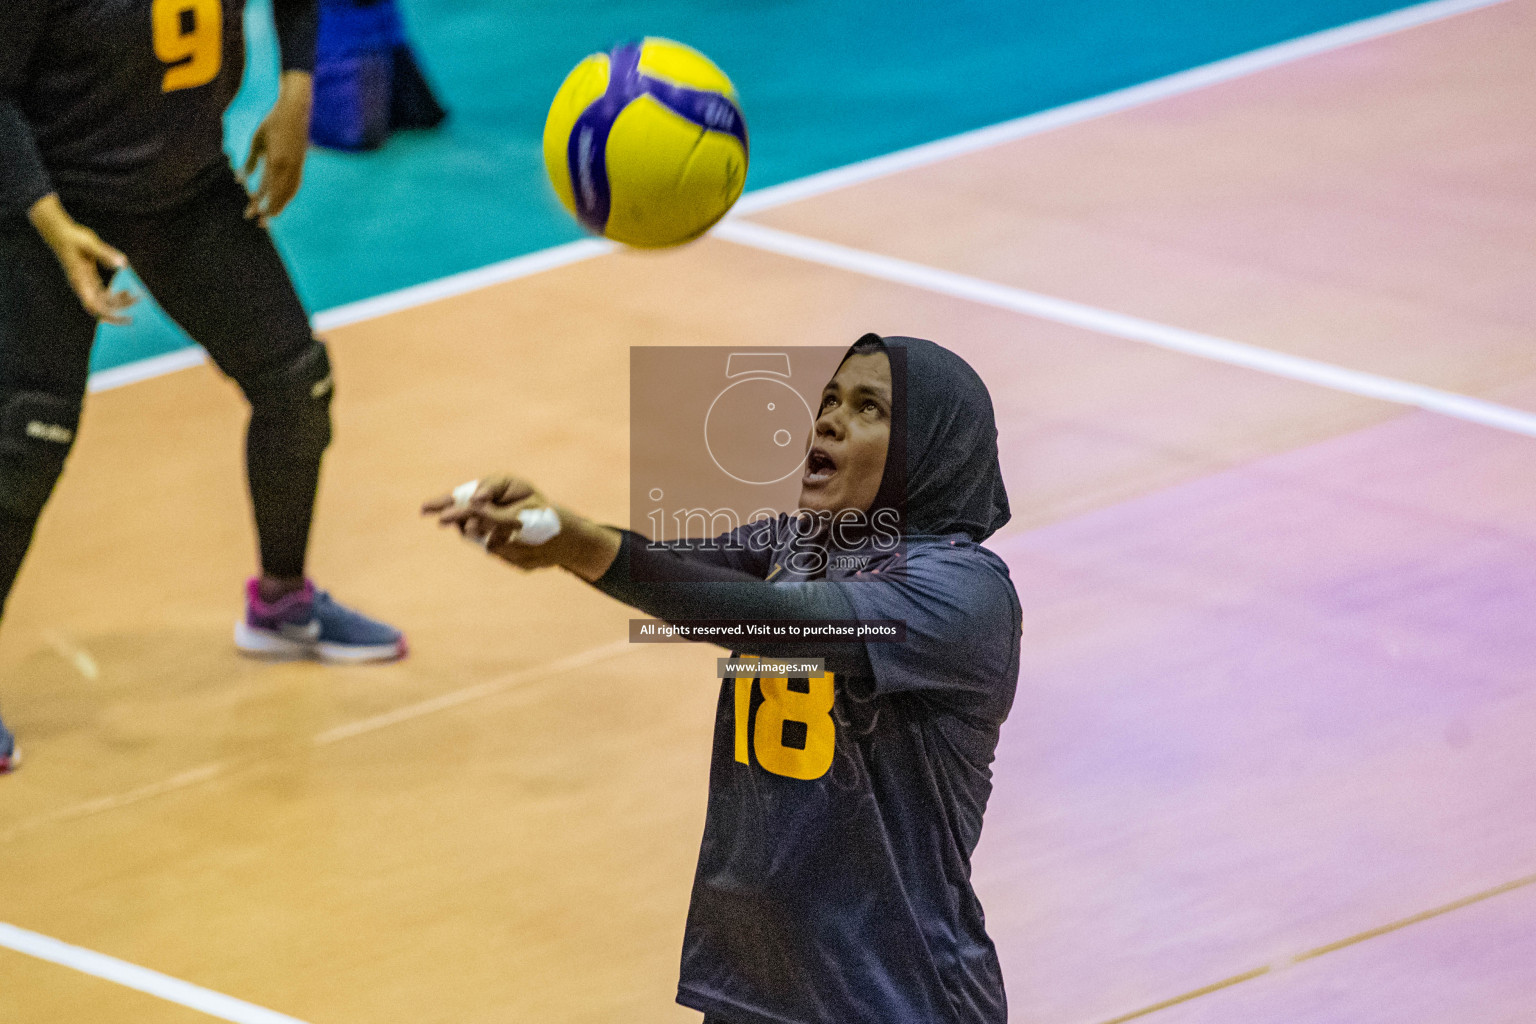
[{"x": 646, "y": 144}]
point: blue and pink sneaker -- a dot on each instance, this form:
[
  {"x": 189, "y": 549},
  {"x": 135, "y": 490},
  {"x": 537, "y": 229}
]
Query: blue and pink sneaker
[
  {"x": 308, "y": 624},
  {"x": 10, "y": 755}
]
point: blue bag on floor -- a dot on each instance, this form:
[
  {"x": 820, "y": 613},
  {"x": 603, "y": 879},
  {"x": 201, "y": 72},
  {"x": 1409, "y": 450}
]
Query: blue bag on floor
[{"x": 366, "y": 79}]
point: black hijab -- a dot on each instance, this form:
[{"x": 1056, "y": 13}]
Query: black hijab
[{"x": 941, "y": 469}]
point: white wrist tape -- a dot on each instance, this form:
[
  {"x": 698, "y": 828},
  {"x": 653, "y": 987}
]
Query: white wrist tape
[{"x": 539, "y": 526}]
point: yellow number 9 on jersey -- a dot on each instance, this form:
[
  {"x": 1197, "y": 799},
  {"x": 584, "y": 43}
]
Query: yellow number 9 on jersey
[{"x": 189, "y": 35}]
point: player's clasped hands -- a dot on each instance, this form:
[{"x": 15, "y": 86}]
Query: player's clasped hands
[{"x": 509, "y": 517}]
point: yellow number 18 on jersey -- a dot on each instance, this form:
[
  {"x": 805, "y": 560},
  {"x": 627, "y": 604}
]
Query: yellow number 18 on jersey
[{"x": 794, "y": 735}]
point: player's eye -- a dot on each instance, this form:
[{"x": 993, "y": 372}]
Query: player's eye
[{"x": 827, "y": 401}]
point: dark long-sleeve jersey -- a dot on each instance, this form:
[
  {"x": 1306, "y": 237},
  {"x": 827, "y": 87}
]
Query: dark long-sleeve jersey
[
  {"x": 834, "y": 873},
  {"x": 118, "y": 104}
]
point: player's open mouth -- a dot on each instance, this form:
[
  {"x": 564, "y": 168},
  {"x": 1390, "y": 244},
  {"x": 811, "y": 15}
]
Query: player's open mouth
[{"x": 819, "y": 468}]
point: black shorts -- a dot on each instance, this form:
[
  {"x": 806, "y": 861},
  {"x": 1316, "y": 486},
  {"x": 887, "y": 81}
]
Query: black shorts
[{"x": 215, "y": 273}]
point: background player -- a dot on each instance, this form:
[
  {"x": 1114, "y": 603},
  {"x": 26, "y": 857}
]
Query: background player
[
  {"x": 833, "y": 881},
  {"x": 111, "y": 146}
]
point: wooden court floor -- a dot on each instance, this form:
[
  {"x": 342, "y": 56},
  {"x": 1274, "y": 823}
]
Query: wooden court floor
[{"x": 1270, "y": 759}]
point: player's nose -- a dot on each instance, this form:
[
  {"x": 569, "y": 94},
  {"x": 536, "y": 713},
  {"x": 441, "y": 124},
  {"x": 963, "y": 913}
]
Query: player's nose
[{"x": 829, "y": 424}]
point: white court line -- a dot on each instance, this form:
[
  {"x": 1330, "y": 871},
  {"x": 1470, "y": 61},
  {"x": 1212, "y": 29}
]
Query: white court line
[
  {"x": 459, "y": 284},
  {"x": 865, "y": 170},
  {"x": 144, "y": 369},
  {"x": 379, "y": 305},
  {"x": 142, "y": 979},
  {"x": 1119, "y": 325},
  {"x": 73, "y": 653}
]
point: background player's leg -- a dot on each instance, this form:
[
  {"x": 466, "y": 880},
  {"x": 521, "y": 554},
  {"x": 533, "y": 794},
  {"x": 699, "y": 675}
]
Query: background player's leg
[
  {"x": 45, "y": 348},
  {"x": 219, "y": 276}
]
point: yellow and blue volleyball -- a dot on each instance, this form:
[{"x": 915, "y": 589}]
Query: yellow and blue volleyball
[{"x": 646, "y": 144}]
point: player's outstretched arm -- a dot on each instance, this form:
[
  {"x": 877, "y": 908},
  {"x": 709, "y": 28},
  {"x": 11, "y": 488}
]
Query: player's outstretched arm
[{"x": 493, "y": 513}]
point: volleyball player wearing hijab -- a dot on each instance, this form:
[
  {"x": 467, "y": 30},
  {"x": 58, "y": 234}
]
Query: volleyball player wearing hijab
[
  {"x": 111, "y": 146},
  {"x": 833, "y": 882}
]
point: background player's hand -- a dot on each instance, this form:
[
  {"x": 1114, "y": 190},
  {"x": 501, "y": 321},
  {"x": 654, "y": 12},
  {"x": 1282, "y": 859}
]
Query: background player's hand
[
  {"x": 278, "y": 148},
  {"x": 83, "y": 255}
]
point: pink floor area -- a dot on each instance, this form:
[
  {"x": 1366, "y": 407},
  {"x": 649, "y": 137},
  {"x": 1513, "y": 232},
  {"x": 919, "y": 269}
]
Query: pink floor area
[{"x": 1268, "y": 710}]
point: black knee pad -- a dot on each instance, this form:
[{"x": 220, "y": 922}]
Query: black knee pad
[
  {"x": 295, "y": 400},
  {"x": 36, "y": 432}
]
